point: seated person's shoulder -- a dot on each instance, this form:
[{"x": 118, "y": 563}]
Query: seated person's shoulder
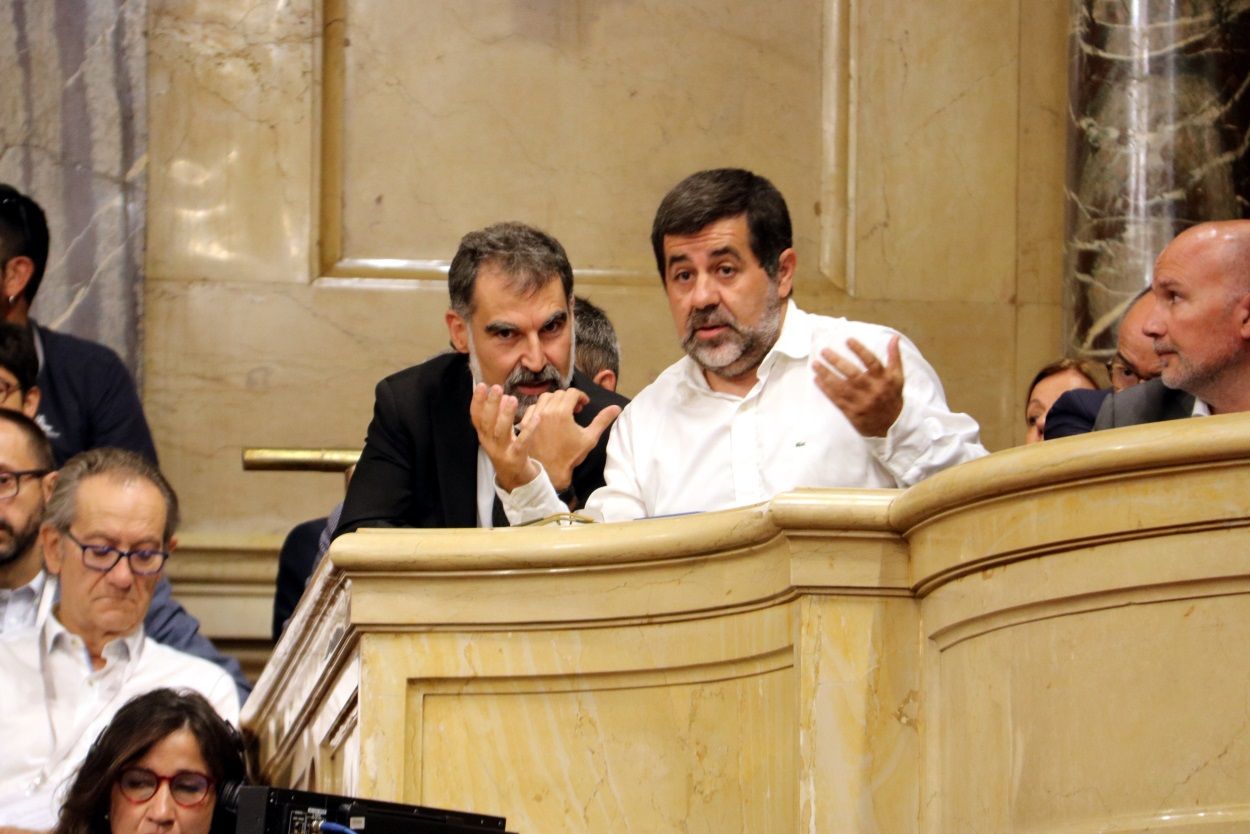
[
  {"x": 1074, "y": 412},
  {"x": 66, "y": 346},
  {"x": 437, "y": 371}
]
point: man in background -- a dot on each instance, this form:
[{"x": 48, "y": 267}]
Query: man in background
[
  {"x": 598, "y": 350},
  {"x": 1200, "y": 326},
  {"x": 1135, "y": 362},
  {"x": 108, "y": 529},
  {"x": 88, "y": 397}
]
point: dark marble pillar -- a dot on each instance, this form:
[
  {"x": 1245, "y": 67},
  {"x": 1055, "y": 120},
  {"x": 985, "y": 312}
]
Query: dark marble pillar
[
  {"x": 74, "y": 137},
  {"x": 1158, "y": 136}
]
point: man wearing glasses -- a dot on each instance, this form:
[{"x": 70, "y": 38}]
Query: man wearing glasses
[
  {"x": 108, "y": 529},
  {"x": 88, "y": 396},
  {"x": 1135, "y": 361}
]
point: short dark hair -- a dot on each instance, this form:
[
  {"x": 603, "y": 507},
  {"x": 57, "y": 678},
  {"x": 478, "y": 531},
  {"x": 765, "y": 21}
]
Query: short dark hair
[
  {"x": 40, "y": 446},
  {"x": 597, "y": 346},
  {"x": 708, "y": 196},
  {"x": 530, "y": 256},
  {"x": 17, "y": 354},
  {"x": 140, "y": 724},
  {"x": 23, "y": 231},
  {"x": 118, "y": 463}
]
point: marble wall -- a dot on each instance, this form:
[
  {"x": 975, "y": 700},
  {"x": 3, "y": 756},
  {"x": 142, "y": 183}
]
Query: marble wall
[
  {"x": 1159, "y": 132},
  {"x": 73, "y": 135},
  {"x": 313, "y": 162}
]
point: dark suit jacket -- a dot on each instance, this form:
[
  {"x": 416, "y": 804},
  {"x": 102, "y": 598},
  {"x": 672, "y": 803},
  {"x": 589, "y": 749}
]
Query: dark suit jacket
[
  {"x": 1074, "y": 412},
  {"x": 296, "y": 561},
  {"x": 1149, "y": 402},
  {"x": 419, "y": 464}
]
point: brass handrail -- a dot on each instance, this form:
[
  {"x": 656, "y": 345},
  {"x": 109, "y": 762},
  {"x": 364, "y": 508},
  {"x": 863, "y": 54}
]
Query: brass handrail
[{"x": 258, "y": 459}]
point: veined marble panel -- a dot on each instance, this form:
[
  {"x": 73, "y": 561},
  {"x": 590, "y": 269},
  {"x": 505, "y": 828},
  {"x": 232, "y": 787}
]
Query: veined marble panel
[
  {"x": 1159, "y": 139},
  {"x": 73, "y": 136},
  {"x": 233, "y": 93},
  {"x": 936, "y": 150},
  {"x": 574, "y": 117}
]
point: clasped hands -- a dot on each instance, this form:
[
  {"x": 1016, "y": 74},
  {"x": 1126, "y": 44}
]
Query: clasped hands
[
  {"x": 871, "y": 397},
  {"x": 547, "y": 433}
]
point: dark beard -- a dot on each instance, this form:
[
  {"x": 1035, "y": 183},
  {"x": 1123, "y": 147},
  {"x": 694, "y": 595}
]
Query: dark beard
[{"x": 20, "y": 541}]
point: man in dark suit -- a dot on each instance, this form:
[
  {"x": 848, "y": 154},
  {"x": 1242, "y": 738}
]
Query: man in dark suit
[
  {"x": 511, "y": 324},
  {"x": 1200, "y": 324},
  {"x": 1135, "y": 362}
]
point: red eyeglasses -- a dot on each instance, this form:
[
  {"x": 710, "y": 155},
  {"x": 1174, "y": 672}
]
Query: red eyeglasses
[{"x": 188, "y": 788}]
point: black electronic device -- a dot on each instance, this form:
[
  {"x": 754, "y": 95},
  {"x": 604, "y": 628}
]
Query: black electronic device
[{"x": 262, "y": 810}]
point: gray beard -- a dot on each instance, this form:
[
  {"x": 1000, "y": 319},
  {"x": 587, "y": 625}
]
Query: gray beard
[{"x": 741, "y": 350}]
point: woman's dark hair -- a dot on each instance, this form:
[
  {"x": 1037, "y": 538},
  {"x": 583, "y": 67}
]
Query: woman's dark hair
[
  {"x": 137, "y": 726},
  {"x": 1096, "y": 374}
]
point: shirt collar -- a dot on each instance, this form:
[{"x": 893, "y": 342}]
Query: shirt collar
[
  {"x": 794, "y": 342},
  {"x": 33, "y": 588},
  {"x": 54, "y": 636},
  {"x": 1201, "y": 409}
]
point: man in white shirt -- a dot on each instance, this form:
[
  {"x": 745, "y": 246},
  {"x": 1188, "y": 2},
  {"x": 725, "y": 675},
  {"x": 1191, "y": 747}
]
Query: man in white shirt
[
  {"x": 25, "y": 462},
  {"x": 108, "y": 528},
  {"x": 768, "y": 397}
]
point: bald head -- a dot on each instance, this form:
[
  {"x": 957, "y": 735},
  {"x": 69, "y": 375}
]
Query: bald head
[
  {"x": 1200, "y": 322},
  {"x": 1135, "y": 358}
]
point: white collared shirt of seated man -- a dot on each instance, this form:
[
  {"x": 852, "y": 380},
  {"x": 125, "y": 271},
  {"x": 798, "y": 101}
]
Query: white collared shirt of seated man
[{"x": 108, "y": 530}]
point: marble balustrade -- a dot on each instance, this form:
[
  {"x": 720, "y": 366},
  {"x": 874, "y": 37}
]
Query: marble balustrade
[{"x": 1049, "y": 639}]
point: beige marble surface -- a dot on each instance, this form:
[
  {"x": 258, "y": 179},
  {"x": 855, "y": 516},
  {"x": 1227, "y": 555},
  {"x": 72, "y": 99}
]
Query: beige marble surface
[{"x": 1046, "y": 640}]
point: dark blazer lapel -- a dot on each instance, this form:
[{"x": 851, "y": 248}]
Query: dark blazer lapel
[{"x": 455, "y": 447}]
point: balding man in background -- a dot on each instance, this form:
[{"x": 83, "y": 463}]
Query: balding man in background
[
  {"x": 1200, "y": 325},
  {"x": 1135, "y": 362}
]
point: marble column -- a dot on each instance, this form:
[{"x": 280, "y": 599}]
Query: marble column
[
  {"x": 73, "y": 135},
  {"x": 1159, "y": 112}
]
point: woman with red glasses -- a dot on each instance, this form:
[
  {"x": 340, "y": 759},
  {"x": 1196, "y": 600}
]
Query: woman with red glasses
[{"x": 157, "y": 768}]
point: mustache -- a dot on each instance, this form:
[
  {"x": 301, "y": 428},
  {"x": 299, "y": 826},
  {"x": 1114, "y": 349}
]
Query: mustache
[
  {"x": 715, "y": 316},
  {"x": 523, "y": 376}
]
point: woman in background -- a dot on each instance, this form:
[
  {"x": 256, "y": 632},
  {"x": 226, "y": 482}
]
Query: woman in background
[
  {"x": 157, "y": 768},
  {"x": 1048, "y": 384}
]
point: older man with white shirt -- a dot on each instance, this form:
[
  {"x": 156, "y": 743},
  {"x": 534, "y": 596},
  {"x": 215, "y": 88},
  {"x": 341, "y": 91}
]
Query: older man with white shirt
[{"x": 108, "y": 529}]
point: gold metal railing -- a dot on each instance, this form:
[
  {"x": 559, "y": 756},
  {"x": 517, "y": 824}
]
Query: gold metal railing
[{"x": 298, "y": 460}]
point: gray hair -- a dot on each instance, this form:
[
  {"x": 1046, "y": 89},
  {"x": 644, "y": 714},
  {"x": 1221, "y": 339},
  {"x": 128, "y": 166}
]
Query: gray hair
[
  {"x": 529, "y": 256},
  {"x": 597, "y": 346},
  {"x": 117, "y": 463}
]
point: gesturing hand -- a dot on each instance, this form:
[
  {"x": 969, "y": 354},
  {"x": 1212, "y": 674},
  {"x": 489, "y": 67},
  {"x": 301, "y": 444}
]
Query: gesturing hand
[
  {"x": 493, "y": 414},
  {"x": 557, "y": 441},
  {"x": 871, "y": 398},
  {"x": 547, "y": 433}
]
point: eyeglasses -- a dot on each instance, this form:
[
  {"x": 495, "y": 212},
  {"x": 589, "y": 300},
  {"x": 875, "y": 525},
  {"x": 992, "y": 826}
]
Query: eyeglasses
[
  {"x": 188, "y": 788},
  {"x": 11, "y": 482},
  {"x": 102, "y": 557},
  {"x": 1123, "y": 375}
]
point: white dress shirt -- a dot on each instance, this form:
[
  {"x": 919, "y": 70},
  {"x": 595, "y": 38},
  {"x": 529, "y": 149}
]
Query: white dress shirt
[
  {"x": 56, "y": 704},
  {"x": 681, "y": 447},
  {"x": 19, "y": 608}
]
